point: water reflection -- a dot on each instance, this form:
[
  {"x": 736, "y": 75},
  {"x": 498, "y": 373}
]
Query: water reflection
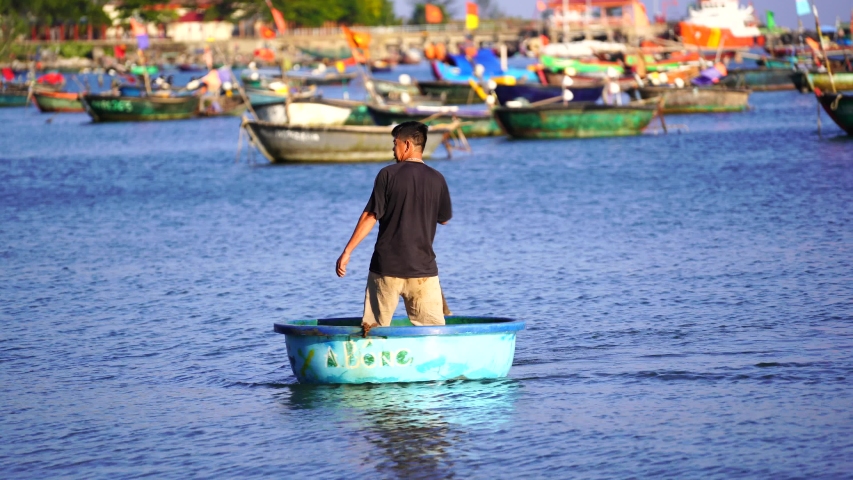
[{"x": 412, "y": 430}]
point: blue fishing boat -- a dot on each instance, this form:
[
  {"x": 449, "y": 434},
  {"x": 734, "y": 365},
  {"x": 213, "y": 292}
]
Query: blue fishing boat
[
  {"x": 334, "y": 350},
  {"x": 536, "y": 92},
  {"x": 462, "y": 69}
]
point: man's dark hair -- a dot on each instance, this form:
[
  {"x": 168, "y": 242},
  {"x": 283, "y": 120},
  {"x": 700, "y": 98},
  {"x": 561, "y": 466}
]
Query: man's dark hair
[{"x": 414, "y": 131}]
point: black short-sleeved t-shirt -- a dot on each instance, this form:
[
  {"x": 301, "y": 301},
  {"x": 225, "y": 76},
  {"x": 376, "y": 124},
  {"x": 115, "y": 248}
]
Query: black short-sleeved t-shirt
[{"x": 408, "y": 199}]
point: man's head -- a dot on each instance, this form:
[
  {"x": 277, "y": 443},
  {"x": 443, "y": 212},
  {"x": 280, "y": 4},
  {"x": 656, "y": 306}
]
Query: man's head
[{"x": 409, "y": 140}]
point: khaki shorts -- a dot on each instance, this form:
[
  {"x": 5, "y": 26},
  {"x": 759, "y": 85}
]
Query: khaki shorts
[{"x": 422, "y": 296}]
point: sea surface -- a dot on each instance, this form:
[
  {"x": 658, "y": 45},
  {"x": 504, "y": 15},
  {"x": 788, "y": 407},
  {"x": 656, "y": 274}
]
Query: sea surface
[{"x": 688, "y": 299}]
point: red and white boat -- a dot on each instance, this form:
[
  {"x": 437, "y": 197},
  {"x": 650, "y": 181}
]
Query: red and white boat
[{"x": 715, "y": 23}]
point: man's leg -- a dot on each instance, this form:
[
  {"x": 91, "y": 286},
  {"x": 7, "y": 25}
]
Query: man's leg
[
  {"x": 380, "y": 299},
  {"x": 422, "y": 297}
]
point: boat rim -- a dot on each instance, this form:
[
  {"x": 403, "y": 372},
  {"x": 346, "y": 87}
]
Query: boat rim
[
  {"x": 576, "y": 106},
  {"x": 335, "y": 128},
  {"x": 342, "y": 327},
  {"x": 152, "y": 99}
]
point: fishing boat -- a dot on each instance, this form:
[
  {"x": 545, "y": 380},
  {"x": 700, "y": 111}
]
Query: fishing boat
[
  {"x": 326, "y": 144},
  {"x": 717, "y": 23},
  {"x": 574, "y": 120},
  {"x": 342, "y": 53},
  {"x": 14, "y": 95},
  {"x": 536, "y": 93},
  {"x": 388, "y": 87},
  {"x": 475, "y": 123},
  {"x": 839, "y": 107},
  {"x": 113, "y": 108},
  {"x": 221, "y": 106},
  {"x": 699, "y": 99},
  {"x": 584, "y": 68},
  {"x": 333, "y": 351},
  {"x": 51, "y": 102},
  {"x": 316, "y": 112},
  {"x": 451, "y": 93},
  {"x": 759, "y": 79}
]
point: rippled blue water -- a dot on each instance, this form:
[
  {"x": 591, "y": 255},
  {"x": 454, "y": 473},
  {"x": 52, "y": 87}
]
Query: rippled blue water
[{"x": 689, "y": 301}]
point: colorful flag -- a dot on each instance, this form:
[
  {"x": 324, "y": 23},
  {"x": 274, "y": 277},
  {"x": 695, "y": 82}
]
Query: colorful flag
[
  {"x": 771, "y": 19},
  {"x": 540, "y": 6},
  {"x": 267, "y": 32},
  {"x": 803, "y": 7},
  {"x": 359, "y": 43},
  {"x": 141, "y": 34},
  {"x": 472, "y": 16},
  {"x": 280, "y": 24},
  {"x": 433, "y": 13}
]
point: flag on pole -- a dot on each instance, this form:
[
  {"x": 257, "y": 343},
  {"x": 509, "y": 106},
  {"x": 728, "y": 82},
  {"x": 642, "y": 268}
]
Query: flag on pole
[
  {"x": 280, "y": 24},
  {"x": 141, "y": 34},
  {"x": 433, "y": 13},
  {"x": 771, "y": 19},
  {"x": 472, "y": 16},
  {"x": 803, "y": 7},
  {"x": 540, "y": 6}
]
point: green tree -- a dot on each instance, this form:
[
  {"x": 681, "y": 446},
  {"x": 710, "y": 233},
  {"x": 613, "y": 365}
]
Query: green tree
[{"x": 16, "y": 16}]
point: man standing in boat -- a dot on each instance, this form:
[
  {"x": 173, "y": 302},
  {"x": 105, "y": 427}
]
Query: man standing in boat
[{"x": 409, "y": 198}]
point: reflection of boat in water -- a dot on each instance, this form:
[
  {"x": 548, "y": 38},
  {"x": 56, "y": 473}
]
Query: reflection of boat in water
[
  {"x": 333, "y": 350},
  {"x": 721, "y": 22}
]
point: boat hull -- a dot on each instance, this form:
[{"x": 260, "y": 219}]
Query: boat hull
[
  {"x": 473, "y": 125},
  {"x": 702, "y": 36},
  {"x": 107, "y": 108},
  {"x": 50, "y": 102},
  {"x": 321, "y": 352},
  {"x": 699, "y": 99},
  {"x": 840, "y": 109},
  {"x": 760, "y": 79},
  {"x": 296, "y": 143},
  {"x": 573, "y": 121}
]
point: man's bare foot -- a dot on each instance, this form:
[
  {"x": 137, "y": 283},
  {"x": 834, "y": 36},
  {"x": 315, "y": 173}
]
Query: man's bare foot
[{"x": 366, "y": 327}]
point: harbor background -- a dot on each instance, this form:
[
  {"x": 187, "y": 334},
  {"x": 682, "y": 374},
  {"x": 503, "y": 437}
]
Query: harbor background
[{"x": 688, "y": 299}]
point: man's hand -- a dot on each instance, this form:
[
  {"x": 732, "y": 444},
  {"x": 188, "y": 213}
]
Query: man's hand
[
  {"x": 365, "y": 223},
  {"x": 343, "y": 260}
]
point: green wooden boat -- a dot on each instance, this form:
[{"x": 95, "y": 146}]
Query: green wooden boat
[
  {"x": 839, "y": 107},
  {"x": 451, "y": 93},
  {"x": 475, "y": 123},
  {"x": 575, "y": 120},
  {"x": 843, "y": 81},
  {"x": 112, "y": 108},
  {"x": 50, "y": 102},
  {"x": 555, "y": 64},
  {"x": 759, "y": 79},
  {"x": 699, "y": 99},
  {"x": 342, "y": 53}
]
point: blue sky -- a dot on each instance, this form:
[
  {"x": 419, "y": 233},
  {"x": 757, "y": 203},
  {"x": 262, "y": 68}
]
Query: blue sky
[{"x": 785, "y": 10}]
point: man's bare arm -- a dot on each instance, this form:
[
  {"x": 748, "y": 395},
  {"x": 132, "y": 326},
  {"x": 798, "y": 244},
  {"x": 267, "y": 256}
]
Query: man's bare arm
[{"x": 365, "y": 224}]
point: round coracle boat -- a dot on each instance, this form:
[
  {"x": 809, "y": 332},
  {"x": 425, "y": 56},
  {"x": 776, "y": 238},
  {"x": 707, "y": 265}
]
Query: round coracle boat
[{"x": 335, "y": 350}]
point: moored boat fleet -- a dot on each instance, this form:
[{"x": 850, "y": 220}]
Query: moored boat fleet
[{"x": 579, "y": 90}]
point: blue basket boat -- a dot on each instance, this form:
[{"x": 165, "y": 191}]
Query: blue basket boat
[{"x": 334, "y": 351}]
